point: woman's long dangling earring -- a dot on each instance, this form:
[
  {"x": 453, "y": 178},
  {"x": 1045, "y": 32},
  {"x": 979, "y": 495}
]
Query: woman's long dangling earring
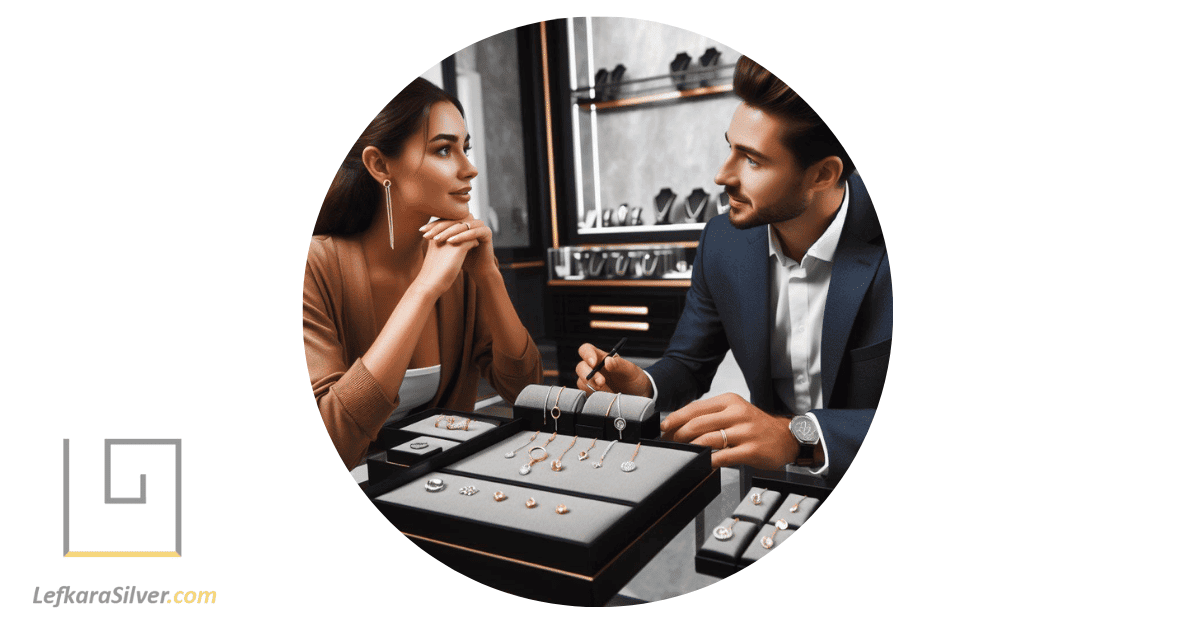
[{"x": 387, "y": 194}]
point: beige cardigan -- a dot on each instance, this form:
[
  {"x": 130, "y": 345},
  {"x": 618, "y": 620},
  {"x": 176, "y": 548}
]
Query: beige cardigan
[{"x": 339, "y": 327}]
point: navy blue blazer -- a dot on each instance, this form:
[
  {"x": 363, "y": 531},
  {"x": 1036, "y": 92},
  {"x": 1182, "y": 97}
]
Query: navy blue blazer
[{"x": 728, "y": 307}]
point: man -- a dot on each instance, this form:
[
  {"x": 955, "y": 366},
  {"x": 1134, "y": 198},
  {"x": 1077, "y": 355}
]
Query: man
[{"x": 795, "y": 280}]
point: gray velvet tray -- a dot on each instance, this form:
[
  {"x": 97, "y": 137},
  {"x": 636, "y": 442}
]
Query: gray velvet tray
[
  {"x": 584, "y": 522},
  {"x": 756, "y": 551},
  {"x": 729, "y": 550},
  {"x": 654, "y": 465},
  {"x": 747, "y": 511},
  {"x": 425, "y": 426},
  {"x": 804, "y": 508},
  {"x": 540, "y": 400}
]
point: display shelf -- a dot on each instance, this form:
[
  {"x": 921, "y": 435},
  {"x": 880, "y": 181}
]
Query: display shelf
[
  {"x": 620, "y": 283},
  {"x": 658, "y": 89},
  {"x": 658, "y": 97},
  {"x": 654, "y": 126},
  {"x": 689, "y": 227}
]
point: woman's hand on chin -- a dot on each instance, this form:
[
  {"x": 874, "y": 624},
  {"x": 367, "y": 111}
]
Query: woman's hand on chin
[
  {"x": 443, "y": 261},
  {"x": 469, "y": 230}
]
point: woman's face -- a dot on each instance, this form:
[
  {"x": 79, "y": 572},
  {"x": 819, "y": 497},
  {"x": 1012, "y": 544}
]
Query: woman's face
[{"x": 434, "y": 172}]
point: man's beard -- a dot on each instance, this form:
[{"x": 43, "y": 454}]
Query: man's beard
[{"x": 757, "y": 217}]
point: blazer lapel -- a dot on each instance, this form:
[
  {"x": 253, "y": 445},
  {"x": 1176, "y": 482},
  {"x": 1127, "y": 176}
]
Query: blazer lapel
[
  {"x": 854, "y": 266},
  {"x": 753, "y": 300}
]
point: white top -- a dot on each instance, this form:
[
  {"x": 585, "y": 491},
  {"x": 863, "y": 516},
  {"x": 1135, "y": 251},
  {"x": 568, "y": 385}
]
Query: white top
[{"x": 418, "y": 388}]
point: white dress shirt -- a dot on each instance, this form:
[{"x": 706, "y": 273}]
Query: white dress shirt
[{"x": 798, "y": 293}]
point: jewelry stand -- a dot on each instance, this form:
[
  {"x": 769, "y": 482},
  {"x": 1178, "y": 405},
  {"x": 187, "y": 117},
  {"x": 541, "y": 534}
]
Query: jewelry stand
[
  {"x": 662, "y": 206},
  {"x": 604, "y": 413},
  {"x": 694, "y": 205},
  {"x": 537, "y": 404},
  {"x": 651, "y": 265},
  {"x": 622, "y": 215},
  {"x": 722, "y": 203},
  {"x": 593, "y": 263},
  {"x": 709, "y": 60},
  {"x": 679, "y": 68},
  {"x": 613, "y": 90},
  {"x": 622, "y": 265},
  {"x": 601, "y": 84}
]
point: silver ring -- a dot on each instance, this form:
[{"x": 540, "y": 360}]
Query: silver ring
[
  {"x": 589, "y": 385},
  {"x": 434, "y": 485},
  {"x": 724, "y": 439}
]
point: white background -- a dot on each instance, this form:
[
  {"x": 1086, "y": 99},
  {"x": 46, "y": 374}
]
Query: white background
[{"x": 1033, "y": 166}]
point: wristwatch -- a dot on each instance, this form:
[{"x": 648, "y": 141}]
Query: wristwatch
[{"x": 806, "y": 431}]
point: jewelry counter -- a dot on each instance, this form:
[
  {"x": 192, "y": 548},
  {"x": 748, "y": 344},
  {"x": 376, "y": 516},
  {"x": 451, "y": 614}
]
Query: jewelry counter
[{"x": 564, "y": 502}]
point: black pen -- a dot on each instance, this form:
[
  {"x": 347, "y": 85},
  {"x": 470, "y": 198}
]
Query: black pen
[{"x": 600, "y": 365}]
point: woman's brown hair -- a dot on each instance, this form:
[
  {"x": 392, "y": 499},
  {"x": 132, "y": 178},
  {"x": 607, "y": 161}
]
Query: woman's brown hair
[{"x": 355, "y": 196}]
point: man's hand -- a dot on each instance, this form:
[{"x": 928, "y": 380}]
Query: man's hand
[
  {"x": 755, "y": 438},
  {"x": 618, "y": 375}
]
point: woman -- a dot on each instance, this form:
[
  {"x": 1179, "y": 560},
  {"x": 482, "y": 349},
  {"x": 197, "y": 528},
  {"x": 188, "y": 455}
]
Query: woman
[{"x": 401, "y": 313}]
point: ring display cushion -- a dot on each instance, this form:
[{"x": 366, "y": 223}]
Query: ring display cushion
[
  {"x": 433, "y": 442},
  {"x": 535, "y": 401},
  {"x": 584, "y": 522},
  {"x": 641, "y": 422},
  {"x": 425, "y": 426},
  {"x": 655, "y": 465},
  {"x": 747, "y": 511},
  {"x": 795, "y": 519},
  {"x": 405, "y": 454},
  {"x": 756, "y": 551},
  {"x": 731, "y": 549}
]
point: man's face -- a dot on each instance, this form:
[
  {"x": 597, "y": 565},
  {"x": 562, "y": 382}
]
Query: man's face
[{"x": 761, "y": 176}]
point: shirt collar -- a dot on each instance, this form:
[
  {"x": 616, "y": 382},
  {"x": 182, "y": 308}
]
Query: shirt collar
[{"x": 826, "y": 245}]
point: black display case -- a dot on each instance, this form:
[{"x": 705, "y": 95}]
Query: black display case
[
  {"x": 723, "y": 558},
  {"x": 616, "y": 520}
]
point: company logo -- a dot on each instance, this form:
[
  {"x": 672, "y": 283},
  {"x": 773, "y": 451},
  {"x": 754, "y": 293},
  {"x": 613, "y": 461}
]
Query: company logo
[{"x": 127, "y": 516}]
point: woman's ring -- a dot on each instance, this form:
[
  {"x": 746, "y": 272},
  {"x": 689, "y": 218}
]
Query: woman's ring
[{"x": 724, "y": 440}]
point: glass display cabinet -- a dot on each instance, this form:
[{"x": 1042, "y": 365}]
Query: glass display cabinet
[{"x": 639, "y": 113}]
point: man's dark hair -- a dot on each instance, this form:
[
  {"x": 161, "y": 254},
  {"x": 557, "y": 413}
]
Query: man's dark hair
[{"x": 809, "y": 139}]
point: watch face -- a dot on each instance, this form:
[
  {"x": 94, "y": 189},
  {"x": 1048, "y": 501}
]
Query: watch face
[{"x": 804, "y": 429}]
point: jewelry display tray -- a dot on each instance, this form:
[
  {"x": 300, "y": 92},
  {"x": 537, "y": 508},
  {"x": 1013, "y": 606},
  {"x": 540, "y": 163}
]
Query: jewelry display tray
[
  {"x": 622, "y": 531},
  {"x": 722, "y": 566}
]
